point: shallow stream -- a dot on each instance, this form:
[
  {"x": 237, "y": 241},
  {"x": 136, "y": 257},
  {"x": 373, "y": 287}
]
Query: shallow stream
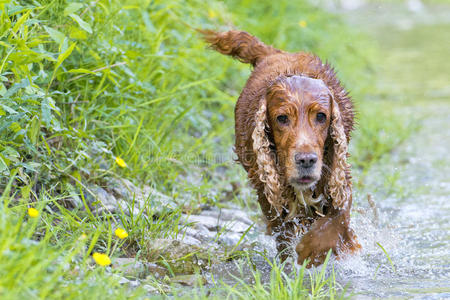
[{"x": 411, "y": 186}]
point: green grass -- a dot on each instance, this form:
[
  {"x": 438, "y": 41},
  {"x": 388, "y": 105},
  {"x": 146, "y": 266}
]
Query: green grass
[
  {"x": 283, "y": 284},
  {"x": 82, "y": 83},
  {"x": 33, "y": 267}
]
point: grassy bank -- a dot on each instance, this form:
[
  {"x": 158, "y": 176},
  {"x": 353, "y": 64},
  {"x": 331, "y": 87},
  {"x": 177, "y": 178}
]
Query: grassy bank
[{"x": 85, "y": 85}]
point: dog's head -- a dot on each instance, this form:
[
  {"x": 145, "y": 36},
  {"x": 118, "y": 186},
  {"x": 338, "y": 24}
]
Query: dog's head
[
  {"x": 299, "y": 114},
  {"x": 300, "y": 127}
]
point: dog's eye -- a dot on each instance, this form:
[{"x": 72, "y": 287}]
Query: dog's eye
[
  {"x": 321, "y": 117},
  {"x": 283, "y": 119}
]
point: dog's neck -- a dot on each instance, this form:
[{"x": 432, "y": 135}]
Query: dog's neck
[{"x": 304, "y": 198}]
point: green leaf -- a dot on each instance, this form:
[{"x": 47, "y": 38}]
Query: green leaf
[
  {"x": 84, "y": 25},
  {"x": 21, "y": 20},
  {"x": 46, "y": 112},
  {"x": 6, "y": 45},
  {"x": 64, "y": 55},
  {"x": 25, "y": 191},
  {"x": 8, "y": 109},
  {"x": 3, "y": 90},
  {"x": 15, "y": 88},
  {"x": 86, "y": 71},
  {"x": 3, "y": 165},
  {"x": 55, "y": 34},
  {"x": 32, "y": 166},
  {"x": 72, "y": 8},
  {"x": 148, "y": 23},
  {"x": 10, "y": 154},
  {"x": 34, "y": 127},
  {"x": 26, "y": 57},
  {"x": 64, "y": 45}
]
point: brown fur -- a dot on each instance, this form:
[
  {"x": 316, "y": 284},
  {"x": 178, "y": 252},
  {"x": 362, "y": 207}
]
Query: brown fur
[{"x": 282, "y": 83}]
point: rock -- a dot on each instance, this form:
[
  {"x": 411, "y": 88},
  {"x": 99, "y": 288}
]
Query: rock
[
  {"x": 133, "y": 268},
  {"x": 209, "y": 222},
  {"x": 231, "y": 238},
  {"x": 181, "y": 257},
  {"x": 150, "y": 289},
  {"x": 156, "y": 271},
  {"x": 123, "y": 280},
  {"x": 228, "y": 214},
  {"x": 121, "y": 193},
  {"x": 102, "y": 200},
  {"x": 126, "y": 190},
  {"x": 201, "y": 233},
  {"x": 215, "y": 224},
  {"x": 189, "y": 280},
  {"x": 190, "y": 240},
  {"x": 134, "y": 283}
]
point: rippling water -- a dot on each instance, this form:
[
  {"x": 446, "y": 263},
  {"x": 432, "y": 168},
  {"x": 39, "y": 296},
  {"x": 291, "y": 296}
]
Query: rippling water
[
  {"x": 411, "y": 186},
  {"x": 413, "y": 225}
]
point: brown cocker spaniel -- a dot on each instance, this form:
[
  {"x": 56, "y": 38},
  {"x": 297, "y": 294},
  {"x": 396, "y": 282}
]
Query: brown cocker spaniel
[{"x": 293, "y": 122}]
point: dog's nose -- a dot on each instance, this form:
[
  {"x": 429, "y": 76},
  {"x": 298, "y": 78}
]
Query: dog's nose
[{"x": 305, "y": 160}]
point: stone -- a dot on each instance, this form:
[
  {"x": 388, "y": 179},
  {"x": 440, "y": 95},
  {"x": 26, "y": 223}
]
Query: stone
[
  {"x": 156, "y": 270},
  {"x": 228, "y": 214},
  {"x": 215, "y": 224},
  {"x": 189, "y": 280},
  {"x": 231, "y": 238},
  {"x": 102, "y": 200},
  {"x": 200, "y": 232},
  {"x": 119, "y": 194},
  {"x": 181, "y": 257},
  {"x": 133, "y": 268},
  {"x": 189, "y": 240}
]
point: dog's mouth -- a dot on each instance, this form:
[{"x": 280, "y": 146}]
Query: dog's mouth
[{"x": 303, "y": 181}]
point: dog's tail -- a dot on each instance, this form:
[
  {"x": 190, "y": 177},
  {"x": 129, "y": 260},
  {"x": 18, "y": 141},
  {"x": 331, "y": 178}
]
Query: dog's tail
[{"x": 238, "y": 44}]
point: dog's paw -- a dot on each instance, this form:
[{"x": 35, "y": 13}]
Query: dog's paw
[{"x": 322, "y": 237}]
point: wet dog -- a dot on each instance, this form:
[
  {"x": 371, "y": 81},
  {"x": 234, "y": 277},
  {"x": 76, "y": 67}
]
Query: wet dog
[{"x": 292, "y": 123}]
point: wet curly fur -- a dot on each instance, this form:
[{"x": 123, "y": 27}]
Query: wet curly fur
[{"x": 255, "y": 146}]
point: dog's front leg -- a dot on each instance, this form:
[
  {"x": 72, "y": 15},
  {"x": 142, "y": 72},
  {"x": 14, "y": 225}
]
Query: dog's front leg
[
  {"x": 329, "y": 232},
  {"x": 284, "y": 234}
]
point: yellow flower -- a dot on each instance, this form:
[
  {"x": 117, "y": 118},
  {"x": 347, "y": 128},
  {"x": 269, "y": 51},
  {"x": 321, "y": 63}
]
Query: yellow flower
[
  {"x": 211, "y": 14},
  {"x": 101, "y": 259},
  {"x": 33, "y": 212},
  {"x": 121, "y": 233},
  {"x": 121, "y": 162},
  {"x": 302, "y": 23}
]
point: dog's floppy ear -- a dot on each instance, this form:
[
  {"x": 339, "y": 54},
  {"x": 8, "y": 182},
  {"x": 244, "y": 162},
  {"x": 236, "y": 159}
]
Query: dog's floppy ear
[
  {"x": 339, "y": 185},
  {"x": 265, "y": 160}
]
